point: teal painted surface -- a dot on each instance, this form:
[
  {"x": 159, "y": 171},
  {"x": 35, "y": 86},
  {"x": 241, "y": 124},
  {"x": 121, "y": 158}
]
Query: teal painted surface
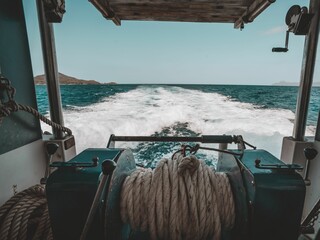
[
  {"x": 275, "y": 198},
  {"x": 70, "y": 193},
  {"x": 20, "y": 128}
]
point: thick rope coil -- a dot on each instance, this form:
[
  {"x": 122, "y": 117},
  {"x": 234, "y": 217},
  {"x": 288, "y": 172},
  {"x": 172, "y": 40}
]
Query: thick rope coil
[
  {"x": 181, "y": 198},
  {"x": 25, "y": 216}
]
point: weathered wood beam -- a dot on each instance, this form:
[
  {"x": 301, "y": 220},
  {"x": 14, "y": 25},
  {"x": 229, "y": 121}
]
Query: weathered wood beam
[
  {"x": 185, "y": 7},
  {"x": 178, "y": 11},
  {"x": 226, "y": 2},
  {"x": 126, "y": 14},
  {"x": 177, "y": 19},
  {"x": 105, "y": 9},
  {"x": 257, "y": 7}
]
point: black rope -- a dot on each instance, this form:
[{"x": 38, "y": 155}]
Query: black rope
[
  {"x": 248, "y": 144},
  {"x": 194, "y": 149},
  {"x": 221, "y": 151}
]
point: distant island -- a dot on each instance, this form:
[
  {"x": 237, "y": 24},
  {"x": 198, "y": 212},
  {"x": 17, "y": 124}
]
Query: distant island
[
  {"x": 283, "y": 83},
  {"x": 67, "y": 80}
]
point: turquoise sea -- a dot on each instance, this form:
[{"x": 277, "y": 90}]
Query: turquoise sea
[{"x": 262, "y": 114}]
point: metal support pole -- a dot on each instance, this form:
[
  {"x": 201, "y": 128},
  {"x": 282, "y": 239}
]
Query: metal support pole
[
  {"x": 51, "y": 69},
  {"x": 317, "y": 137},
  {"x": 307, "y": 69}
]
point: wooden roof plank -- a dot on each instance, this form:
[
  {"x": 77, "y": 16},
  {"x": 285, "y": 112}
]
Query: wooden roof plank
[
  {"x": 218, "y": 2},
  {"x": 253, "y": 11},
  {"x": 106, "y": 11},
  {"x": 179, "y": 10},
  {"x": 174, "y": 19}
]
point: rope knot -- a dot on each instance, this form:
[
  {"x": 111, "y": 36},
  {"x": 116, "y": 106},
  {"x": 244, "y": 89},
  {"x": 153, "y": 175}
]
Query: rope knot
[
  {"x": 13, "y": 106},
  {"x": 190, "y": 163}
]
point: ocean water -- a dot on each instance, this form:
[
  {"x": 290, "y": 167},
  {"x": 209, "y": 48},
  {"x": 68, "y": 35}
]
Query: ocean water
[{"x": 263, "y": 115}]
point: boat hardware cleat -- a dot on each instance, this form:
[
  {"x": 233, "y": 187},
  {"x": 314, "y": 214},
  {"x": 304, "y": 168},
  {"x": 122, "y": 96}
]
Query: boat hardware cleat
[
  {"x": 280, "y": 167},
  {"x": 75, "y": 165},
  {"x": 298, "y": 20},
  {"x": 51, "y": 150}
]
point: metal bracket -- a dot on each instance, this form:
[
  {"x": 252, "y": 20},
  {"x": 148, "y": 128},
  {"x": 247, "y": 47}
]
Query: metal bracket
[
  {"x": 94, "y": 163},
  {"x": 106, "y": 11},
  {"x": 277, "y": 166},
  {"x": 54, "y": 10}
]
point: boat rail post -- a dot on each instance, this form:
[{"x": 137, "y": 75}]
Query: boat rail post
[
  {"x": 317, "y": 137},
  {"x": 307, "y": 70},
  {"x": 51, "y": 69},
  {"x": 222, "y": 146}
]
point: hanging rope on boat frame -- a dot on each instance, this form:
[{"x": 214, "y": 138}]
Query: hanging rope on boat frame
[{"x": 10, "y": 106}]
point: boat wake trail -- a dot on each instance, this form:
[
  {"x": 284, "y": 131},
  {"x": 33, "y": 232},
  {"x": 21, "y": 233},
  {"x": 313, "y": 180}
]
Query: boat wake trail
[{"x": 169, "y": 110}]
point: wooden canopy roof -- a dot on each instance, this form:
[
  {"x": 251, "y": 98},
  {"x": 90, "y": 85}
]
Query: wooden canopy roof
[{"x": 224, "y": 11}]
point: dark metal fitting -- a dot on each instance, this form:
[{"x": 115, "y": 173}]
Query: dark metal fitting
[
  {"x": 310, "y": 153},
  {"x": 257, "y": 162},
  {"x": 307, "y": 182},
  {"x": 307, "y": 230},
  {"x": 108, "y": 166},
  {"x": 95, "y": 161},
  {"x": 43, "y": 181},
  {"x": 52, "y": 148}
]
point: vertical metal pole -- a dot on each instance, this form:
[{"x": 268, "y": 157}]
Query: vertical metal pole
[
  {"x": 317, "y": 137},
  {"x": 307, "y": 69},
  {"x": 51, "y": 69},
  {"x": 222, "y": 146}
]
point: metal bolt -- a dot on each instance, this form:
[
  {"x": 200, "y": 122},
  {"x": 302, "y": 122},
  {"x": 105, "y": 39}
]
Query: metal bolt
[
  {"x": 95, "y": 161},
  {"x": 257, "y": 162},
  {"x": 14, "y": 188}
]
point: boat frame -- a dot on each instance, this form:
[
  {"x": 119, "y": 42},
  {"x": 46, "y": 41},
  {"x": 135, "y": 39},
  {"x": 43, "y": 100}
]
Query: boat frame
[{"x": 292, "y": 148}]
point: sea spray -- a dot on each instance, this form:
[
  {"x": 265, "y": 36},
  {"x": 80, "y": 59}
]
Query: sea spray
[{"x": 172, "y": 110}]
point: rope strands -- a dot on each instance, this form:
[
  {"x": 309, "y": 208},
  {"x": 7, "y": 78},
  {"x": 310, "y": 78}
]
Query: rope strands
[
  {"x": 10, "y": 107},
  {"x": 181, "y": 198},
  {"x": 44, "y": 119},
  {"x": 26, "y": 216}
]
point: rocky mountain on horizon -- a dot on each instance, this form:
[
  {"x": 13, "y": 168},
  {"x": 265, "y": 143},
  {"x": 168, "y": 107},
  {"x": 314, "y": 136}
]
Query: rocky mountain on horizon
[{"x": 65, "y": 80}]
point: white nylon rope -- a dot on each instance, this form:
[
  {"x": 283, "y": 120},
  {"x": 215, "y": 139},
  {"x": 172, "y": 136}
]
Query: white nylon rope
[{"x": 181, "y": 198}]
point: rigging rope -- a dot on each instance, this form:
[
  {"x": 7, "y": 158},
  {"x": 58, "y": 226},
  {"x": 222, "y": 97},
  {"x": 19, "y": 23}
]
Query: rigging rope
[
  {"x": 10, "y": 106},
  {"x": 182, "y": 198},
  {"x": 7, "y": 109},
  {"x": 26, "y": 216}
]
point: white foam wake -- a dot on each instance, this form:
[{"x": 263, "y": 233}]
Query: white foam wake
[{"x": 149, "y": 109}]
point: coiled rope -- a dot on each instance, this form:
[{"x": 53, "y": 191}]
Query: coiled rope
[
  {"x": 26, "y": 216},
  {"x": 182, "y": 198}
]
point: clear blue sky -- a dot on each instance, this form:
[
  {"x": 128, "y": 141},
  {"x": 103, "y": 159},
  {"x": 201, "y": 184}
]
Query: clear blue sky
[{"x": 90, "y": 47}]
